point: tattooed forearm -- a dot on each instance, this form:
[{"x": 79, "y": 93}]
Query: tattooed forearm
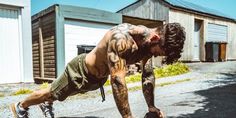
[
  {"x": 148, "y": 84},
  {"x": 119, "y": 88},
  {"x": 121, "y": 96},
  {"x": 148, "y": 88}
]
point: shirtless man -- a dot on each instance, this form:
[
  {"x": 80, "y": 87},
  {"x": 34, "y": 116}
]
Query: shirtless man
[{"x": 122, "y": 45}]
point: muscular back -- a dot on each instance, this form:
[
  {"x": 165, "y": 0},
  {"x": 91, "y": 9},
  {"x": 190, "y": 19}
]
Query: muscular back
[{"x": 122, "y": 45}]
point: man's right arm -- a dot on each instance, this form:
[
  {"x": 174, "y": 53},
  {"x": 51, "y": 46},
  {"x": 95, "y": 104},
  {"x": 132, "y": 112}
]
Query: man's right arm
[{"x": 117, "y": 66}]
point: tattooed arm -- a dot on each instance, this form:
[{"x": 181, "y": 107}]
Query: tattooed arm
[
  {"x": 116, "y": 47},
  {"x": 139, "y": 31},
  {"x": 148, "y": 86}
]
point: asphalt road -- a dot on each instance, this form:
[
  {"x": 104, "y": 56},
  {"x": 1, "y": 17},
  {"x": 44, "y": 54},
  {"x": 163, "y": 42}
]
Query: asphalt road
[{"x": 210, "y": 93}]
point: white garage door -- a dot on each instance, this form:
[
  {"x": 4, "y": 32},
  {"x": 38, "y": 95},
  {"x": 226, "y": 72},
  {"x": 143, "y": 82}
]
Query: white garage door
[
  {"x": 10, "y": 45},
  {"x": 82, "y": 33},
  {"x": 217, "y": 33}
]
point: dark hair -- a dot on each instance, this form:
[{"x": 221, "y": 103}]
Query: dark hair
[{"x": 173, "y": 37}]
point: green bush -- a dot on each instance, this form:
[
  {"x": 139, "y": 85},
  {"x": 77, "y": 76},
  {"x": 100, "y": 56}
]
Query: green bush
[
  {"x": 171, "y": 70},
  {"x": 107, "y": 82},
  {"x": 129, "y": 79},
  {"x": 44, "y": 85},
  {"x": 165, "y": 71},
  {"x": 133, "y": 78},
  {"x": 22, "y": 91},
  {"x": 1, "y": 94}
]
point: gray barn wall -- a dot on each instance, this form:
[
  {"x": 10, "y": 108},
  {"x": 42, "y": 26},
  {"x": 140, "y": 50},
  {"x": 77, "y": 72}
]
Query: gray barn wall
[
  {"x": 187, "y": 20},
  {"x": 147, "y": 9}
]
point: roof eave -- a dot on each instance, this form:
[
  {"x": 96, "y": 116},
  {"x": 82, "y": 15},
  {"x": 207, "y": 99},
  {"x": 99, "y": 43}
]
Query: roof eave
[
  {"x": 196, "y": 12},
  {"x": 43, "y": 12}
]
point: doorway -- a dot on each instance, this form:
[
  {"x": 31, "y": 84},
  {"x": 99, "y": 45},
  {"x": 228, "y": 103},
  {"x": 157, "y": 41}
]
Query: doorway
[{"x": 197, "y": 39}]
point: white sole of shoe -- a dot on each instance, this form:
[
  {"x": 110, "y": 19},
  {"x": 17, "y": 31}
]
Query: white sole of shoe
[{"x": 13, "y": 110}]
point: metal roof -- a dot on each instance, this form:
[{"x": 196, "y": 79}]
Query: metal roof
[{"x": 190, "y": 6}]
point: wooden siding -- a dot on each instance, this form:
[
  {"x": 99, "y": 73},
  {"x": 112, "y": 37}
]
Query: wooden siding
[
  {"x": 147, "y": 9},
  {"x": 187, "y": 21},
  {"x": 145, "y": 22},
  {"x": 45, "y": 23},
  {"x": 230, "y": 52}
]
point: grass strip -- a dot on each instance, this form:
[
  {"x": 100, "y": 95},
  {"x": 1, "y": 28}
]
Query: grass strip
[
  {"x": 2, "y": 94},
  {"x": 22, "y": 91}
]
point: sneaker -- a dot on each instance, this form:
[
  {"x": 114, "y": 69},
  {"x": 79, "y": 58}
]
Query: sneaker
[
  {"x": 47, "y": 110},
  {"x": 17, "y": 112}
]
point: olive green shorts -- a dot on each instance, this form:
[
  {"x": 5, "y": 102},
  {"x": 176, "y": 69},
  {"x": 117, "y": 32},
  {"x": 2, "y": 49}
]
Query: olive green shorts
[{"x": 75, "y": 79}]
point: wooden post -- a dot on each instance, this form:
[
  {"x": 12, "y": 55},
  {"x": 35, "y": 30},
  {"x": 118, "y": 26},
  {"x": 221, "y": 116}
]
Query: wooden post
[{"x": 41, "y": 51}]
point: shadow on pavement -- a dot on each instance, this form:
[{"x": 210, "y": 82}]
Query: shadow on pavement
[{"x": 219, "y": 102}]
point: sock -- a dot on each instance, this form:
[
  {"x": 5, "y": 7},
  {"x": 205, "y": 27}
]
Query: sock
[
  {"x": 21, "y": 108},
  {"x": 48, "y": 103}
]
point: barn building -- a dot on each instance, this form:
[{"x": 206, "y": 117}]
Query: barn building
[{"x": 202, "y": 26}]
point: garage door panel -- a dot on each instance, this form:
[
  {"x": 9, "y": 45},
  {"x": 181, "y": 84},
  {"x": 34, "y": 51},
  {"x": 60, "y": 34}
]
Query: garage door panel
[
  {"x": 82, "y": 33},
  {"x": 217, "y": 33},
  {"x": 9, "y": 46}
]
